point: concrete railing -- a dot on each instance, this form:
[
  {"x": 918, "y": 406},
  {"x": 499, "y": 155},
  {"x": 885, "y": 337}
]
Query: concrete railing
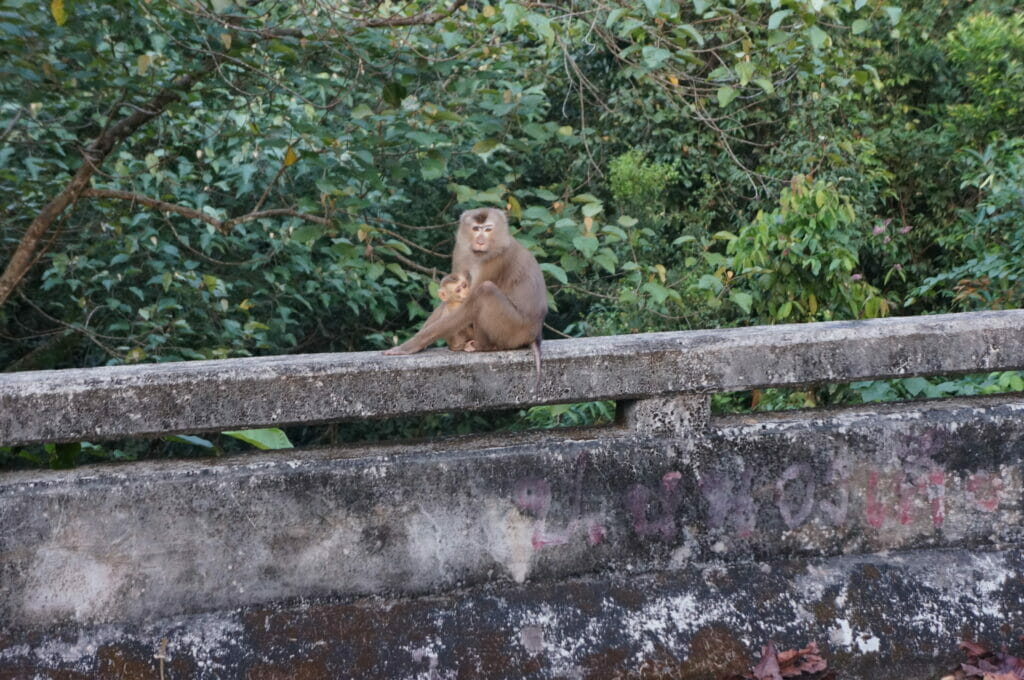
[{"x": 672, "y": 538}]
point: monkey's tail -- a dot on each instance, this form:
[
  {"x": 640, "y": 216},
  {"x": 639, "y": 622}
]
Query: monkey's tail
[{"x": 535, "y": 346}]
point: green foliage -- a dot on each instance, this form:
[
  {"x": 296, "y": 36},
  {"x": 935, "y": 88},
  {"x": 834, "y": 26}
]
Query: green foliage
[
  {"x": 799, "y": 261},
  {"x": 638, "y": 185},
  {"x": 266, "y": 438},
  {"x": 987, "y": 50},
  {"x": 988, "y": 237},
  {"x": 567, "y": 415},
  {"x": 672, "y": 165}
]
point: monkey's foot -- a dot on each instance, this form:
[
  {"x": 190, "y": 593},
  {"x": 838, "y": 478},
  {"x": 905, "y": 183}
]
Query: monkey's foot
[{"x": 396, "y": 351}]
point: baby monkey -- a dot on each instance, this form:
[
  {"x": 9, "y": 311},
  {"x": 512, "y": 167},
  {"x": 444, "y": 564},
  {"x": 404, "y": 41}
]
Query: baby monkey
[{"x": 453, "y": 291}]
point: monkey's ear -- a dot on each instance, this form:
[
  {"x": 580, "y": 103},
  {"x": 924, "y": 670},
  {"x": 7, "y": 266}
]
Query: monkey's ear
[{"x": 442, "y": 294}]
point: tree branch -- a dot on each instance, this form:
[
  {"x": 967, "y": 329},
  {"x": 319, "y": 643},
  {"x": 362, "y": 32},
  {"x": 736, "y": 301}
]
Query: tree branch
[
  {"x": 162, "y": 206},
  {"x": 421, "y": 19},
  {"x": 23, "y": 257}
]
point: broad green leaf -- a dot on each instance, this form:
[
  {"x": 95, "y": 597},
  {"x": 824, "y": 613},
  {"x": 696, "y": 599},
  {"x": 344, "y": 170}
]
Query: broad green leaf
[
  {"x": 586, "y": 244},
  {"x": 266, "y": 438},
  {"x": 725, "y": 95},
  {"x": 655, "y": 56},
  {"x": 743, "y": 300},
  {"x": 361, "y": 111},
  {"x": 860, "y": 26},
  {"x": 308, "y": 232},
  {"x": 538, "y": 212},
  {"x": 189, "y": 439},
  {"x": 607, "y": 259},
  {"x": 709, "y": 282},
  {"x": 875, "y": 390},
  {"x": 915, "y": 386},
  {"x": 894, "y": 14},
  {"x": 592, "y": 209},
  {"x": 542, "y": 25},
  {"x": 513, "y": 14},
  {"x": 658, "y": 292},
  {"x": 538, "y": 132},
  {"x": 776, "y": 19},
  {"x": 765, "y": 85},
  {"x": 614, "y": 16},
  {"x": 693, "y": 33},
  {"x": 326, "y": 187},
  {"x": 557, "y": 272},
  {"x": 745, "y": 70},
  {"x": 485, "y": 146},
  {"x": 433, "y": 165},
  {"x": 817, "y": 36}
]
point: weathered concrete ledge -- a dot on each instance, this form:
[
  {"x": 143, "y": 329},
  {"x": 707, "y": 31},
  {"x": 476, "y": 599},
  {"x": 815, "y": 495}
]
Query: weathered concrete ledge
[
  {"x": 150, "y": 540},
  {"x": 127, "y": 401},
  {"x": 883, "y": 617}
]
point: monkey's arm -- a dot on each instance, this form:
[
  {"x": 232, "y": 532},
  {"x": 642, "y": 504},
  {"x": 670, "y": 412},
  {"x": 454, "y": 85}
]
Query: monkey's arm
[{"x": 438, "y": 325}]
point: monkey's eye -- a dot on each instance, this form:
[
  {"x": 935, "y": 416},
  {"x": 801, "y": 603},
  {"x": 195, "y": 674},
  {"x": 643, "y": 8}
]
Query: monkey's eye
[{"x": 488, "y": 229}]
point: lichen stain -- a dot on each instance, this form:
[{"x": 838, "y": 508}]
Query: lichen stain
[
  {"x": 57, "y": 591},
  {"x": 714, "y": 652},
  {"x": 532, "y": 639},
  {"x": 116, "y": 662},
  {"x": 508, "y": 536},
  {"x": 304, "y": 669},
  {"x": 605, "y": 663}
]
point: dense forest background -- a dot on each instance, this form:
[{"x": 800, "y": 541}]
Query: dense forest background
[{"x": 193, "y": 180}]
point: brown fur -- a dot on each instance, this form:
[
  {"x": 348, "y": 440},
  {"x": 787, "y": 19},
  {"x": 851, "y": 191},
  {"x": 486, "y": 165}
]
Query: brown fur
[
  {"x": 507, "y": 300},
  {"x": 453, "y": 291}
]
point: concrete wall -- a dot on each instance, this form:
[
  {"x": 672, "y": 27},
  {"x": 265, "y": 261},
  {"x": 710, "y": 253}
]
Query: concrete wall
[{"x": 885, "y": 533}]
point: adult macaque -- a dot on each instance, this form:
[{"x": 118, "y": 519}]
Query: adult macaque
[
  {"x": 507, "y": 299},
  {"x": 453, "y": 291}
]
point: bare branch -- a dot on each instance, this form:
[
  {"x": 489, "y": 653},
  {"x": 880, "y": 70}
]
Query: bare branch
[
  {"x": 429, "y": 271},
  {"x": 162, "y": 206}
]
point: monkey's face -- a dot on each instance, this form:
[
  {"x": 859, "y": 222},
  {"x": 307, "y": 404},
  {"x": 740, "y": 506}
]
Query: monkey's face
[
  {"x": 454, "y": 288},
  {"x": 482, "y": 234},
  {"x": 460, "y": 289}
]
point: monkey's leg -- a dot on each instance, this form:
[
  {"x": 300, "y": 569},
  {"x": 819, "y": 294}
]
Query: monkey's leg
[
  {"x": 498, "y": 323},
  {"x": 435, "y": 328},
  {"x": 432, "y": 320}
]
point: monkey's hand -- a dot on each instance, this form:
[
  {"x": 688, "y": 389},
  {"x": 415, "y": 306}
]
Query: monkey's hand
[
  {"x": 397, "y": 350},
  {"x": 469, "y": 346}
]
